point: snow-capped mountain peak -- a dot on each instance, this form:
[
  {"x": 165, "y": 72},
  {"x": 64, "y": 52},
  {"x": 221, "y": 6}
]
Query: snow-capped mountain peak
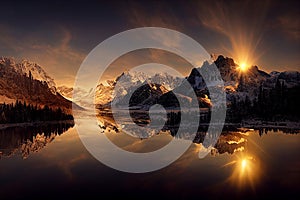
[
  {"x": 29, "y": 83},
  {"x": 26, "y": 67},
  {"x": 7, "y": 61},
  {"x": 121, "y": 86},
  {"x": 37, "y": 73}
]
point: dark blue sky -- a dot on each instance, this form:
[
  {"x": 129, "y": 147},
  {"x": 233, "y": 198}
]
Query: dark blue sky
[{"x": 58, "y": 35}]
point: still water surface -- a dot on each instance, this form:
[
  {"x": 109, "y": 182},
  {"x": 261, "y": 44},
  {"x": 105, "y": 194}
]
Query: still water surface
[{"x": 52, "y": 162}]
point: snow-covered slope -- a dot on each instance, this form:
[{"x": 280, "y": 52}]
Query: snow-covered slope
[
  {"x": 234, "y": 79},
  {"x": 28, "y": 82},
  {"x": 290, "y": 78},
  {"x": 130, "y": 81},
  {"x": 239, "y": 84},
  {"x": 26, "y": 67},
  {"x": 115, "y": 90}
]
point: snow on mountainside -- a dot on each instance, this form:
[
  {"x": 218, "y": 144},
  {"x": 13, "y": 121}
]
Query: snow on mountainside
[
  {"x": 66, "y": 92},
  {"x": 291, "y": 78},
  {"x": 238, "y": 84},
  {"x": 126, "y": 82},
  {"x": 104, "y": 94},
  {"x": 37, "y": 73},
  {"x": 234, "y": 79},
  {"x": 82, "y": 94},
  {"x": 26, "y": 67},
  {"x": 28, "y": 82},
  {"x": 129, "y": 81}
]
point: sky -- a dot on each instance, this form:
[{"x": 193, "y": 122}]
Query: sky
[{"x": 58, "y": 35}]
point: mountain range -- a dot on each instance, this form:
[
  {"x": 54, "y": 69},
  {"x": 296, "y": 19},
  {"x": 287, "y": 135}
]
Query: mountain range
[
  {"x": 250, "y": 93},
  {"x": 27, "y": 81},
  {"x": 125, "y": 82},
  {"x": 239, "y": 85}
]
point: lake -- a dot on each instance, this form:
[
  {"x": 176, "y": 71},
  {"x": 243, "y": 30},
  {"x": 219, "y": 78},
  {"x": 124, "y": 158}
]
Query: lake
[{"x": 52, "y": 162}]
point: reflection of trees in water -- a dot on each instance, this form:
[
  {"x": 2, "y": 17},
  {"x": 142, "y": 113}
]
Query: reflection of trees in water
[
  {"x": 272, "y": 129},
  {"x": 30, "y": 138},
  {"x": 232, "y": 139}
]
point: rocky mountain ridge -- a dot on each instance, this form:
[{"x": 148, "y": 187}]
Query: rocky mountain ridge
[{"x": 28, "y": 82}]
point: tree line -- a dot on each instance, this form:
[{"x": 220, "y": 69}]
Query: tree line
[
  {"x": 272, "y": 104},
  {"x": 20, "y": 112}
]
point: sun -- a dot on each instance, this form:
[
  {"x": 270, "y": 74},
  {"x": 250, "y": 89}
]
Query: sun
[{"x": 243, "y": 67}]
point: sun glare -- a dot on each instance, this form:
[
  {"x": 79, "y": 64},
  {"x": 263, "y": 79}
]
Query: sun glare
[
  {"x": 244, "y": 164},
  {"x": 246, "y": 171},
  {"x": 243, "y": 67}
]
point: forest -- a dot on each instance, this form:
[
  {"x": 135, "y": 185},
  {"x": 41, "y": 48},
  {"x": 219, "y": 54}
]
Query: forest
[
  {"x": 20, "y": 112},
  {"x": 271, "y": 104}
]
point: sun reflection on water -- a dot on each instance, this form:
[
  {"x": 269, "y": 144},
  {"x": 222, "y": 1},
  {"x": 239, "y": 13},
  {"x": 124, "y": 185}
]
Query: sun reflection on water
[
  {"x": 246, "y": 171},
  {"x": 244, "y": 164}
]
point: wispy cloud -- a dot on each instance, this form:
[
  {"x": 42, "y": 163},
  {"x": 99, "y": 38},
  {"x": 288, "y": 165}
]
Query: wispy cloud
[
  {"x": 159, "y": 16},
  {"x": 8, "y": 41},
  {"x": 54, "y": 53},
  {"x": 290, "y": 25}
]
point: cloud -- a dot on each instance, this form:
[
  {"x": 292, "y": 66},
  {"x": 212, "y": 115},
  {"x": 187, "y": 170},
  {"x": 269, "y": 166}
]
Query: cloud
[
  {"x": 8, "y": 43},
  {"x": 290, "y": 25},
  {"x": 160, "y": 15},
  {"x": 60, "y": 58},
  {"x": 164, "y": 15},
  {"x": 50, "y": 49}
]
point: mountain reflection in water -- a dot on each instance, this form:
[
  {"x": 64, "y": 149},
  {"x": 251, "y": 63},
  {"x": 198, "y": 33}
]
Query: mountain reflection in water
[
  {"x": 30, "y": 138},
  {"x": 231, "y": 140},
  {"x": 243, "y": 164}
]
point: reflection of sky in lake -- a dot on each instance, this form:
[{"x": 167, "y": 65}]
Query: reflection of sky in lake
[{"x": 269, "y": 165}]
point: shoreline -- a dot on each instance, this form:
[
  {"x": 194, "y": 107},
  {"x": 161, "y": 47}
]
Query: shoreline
[
  {"x": 38, "y": 123},
  {"x": 271, "y": 124},
  {"x": 244, "y": 124},
  {"x": 263, "y": 125}
]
